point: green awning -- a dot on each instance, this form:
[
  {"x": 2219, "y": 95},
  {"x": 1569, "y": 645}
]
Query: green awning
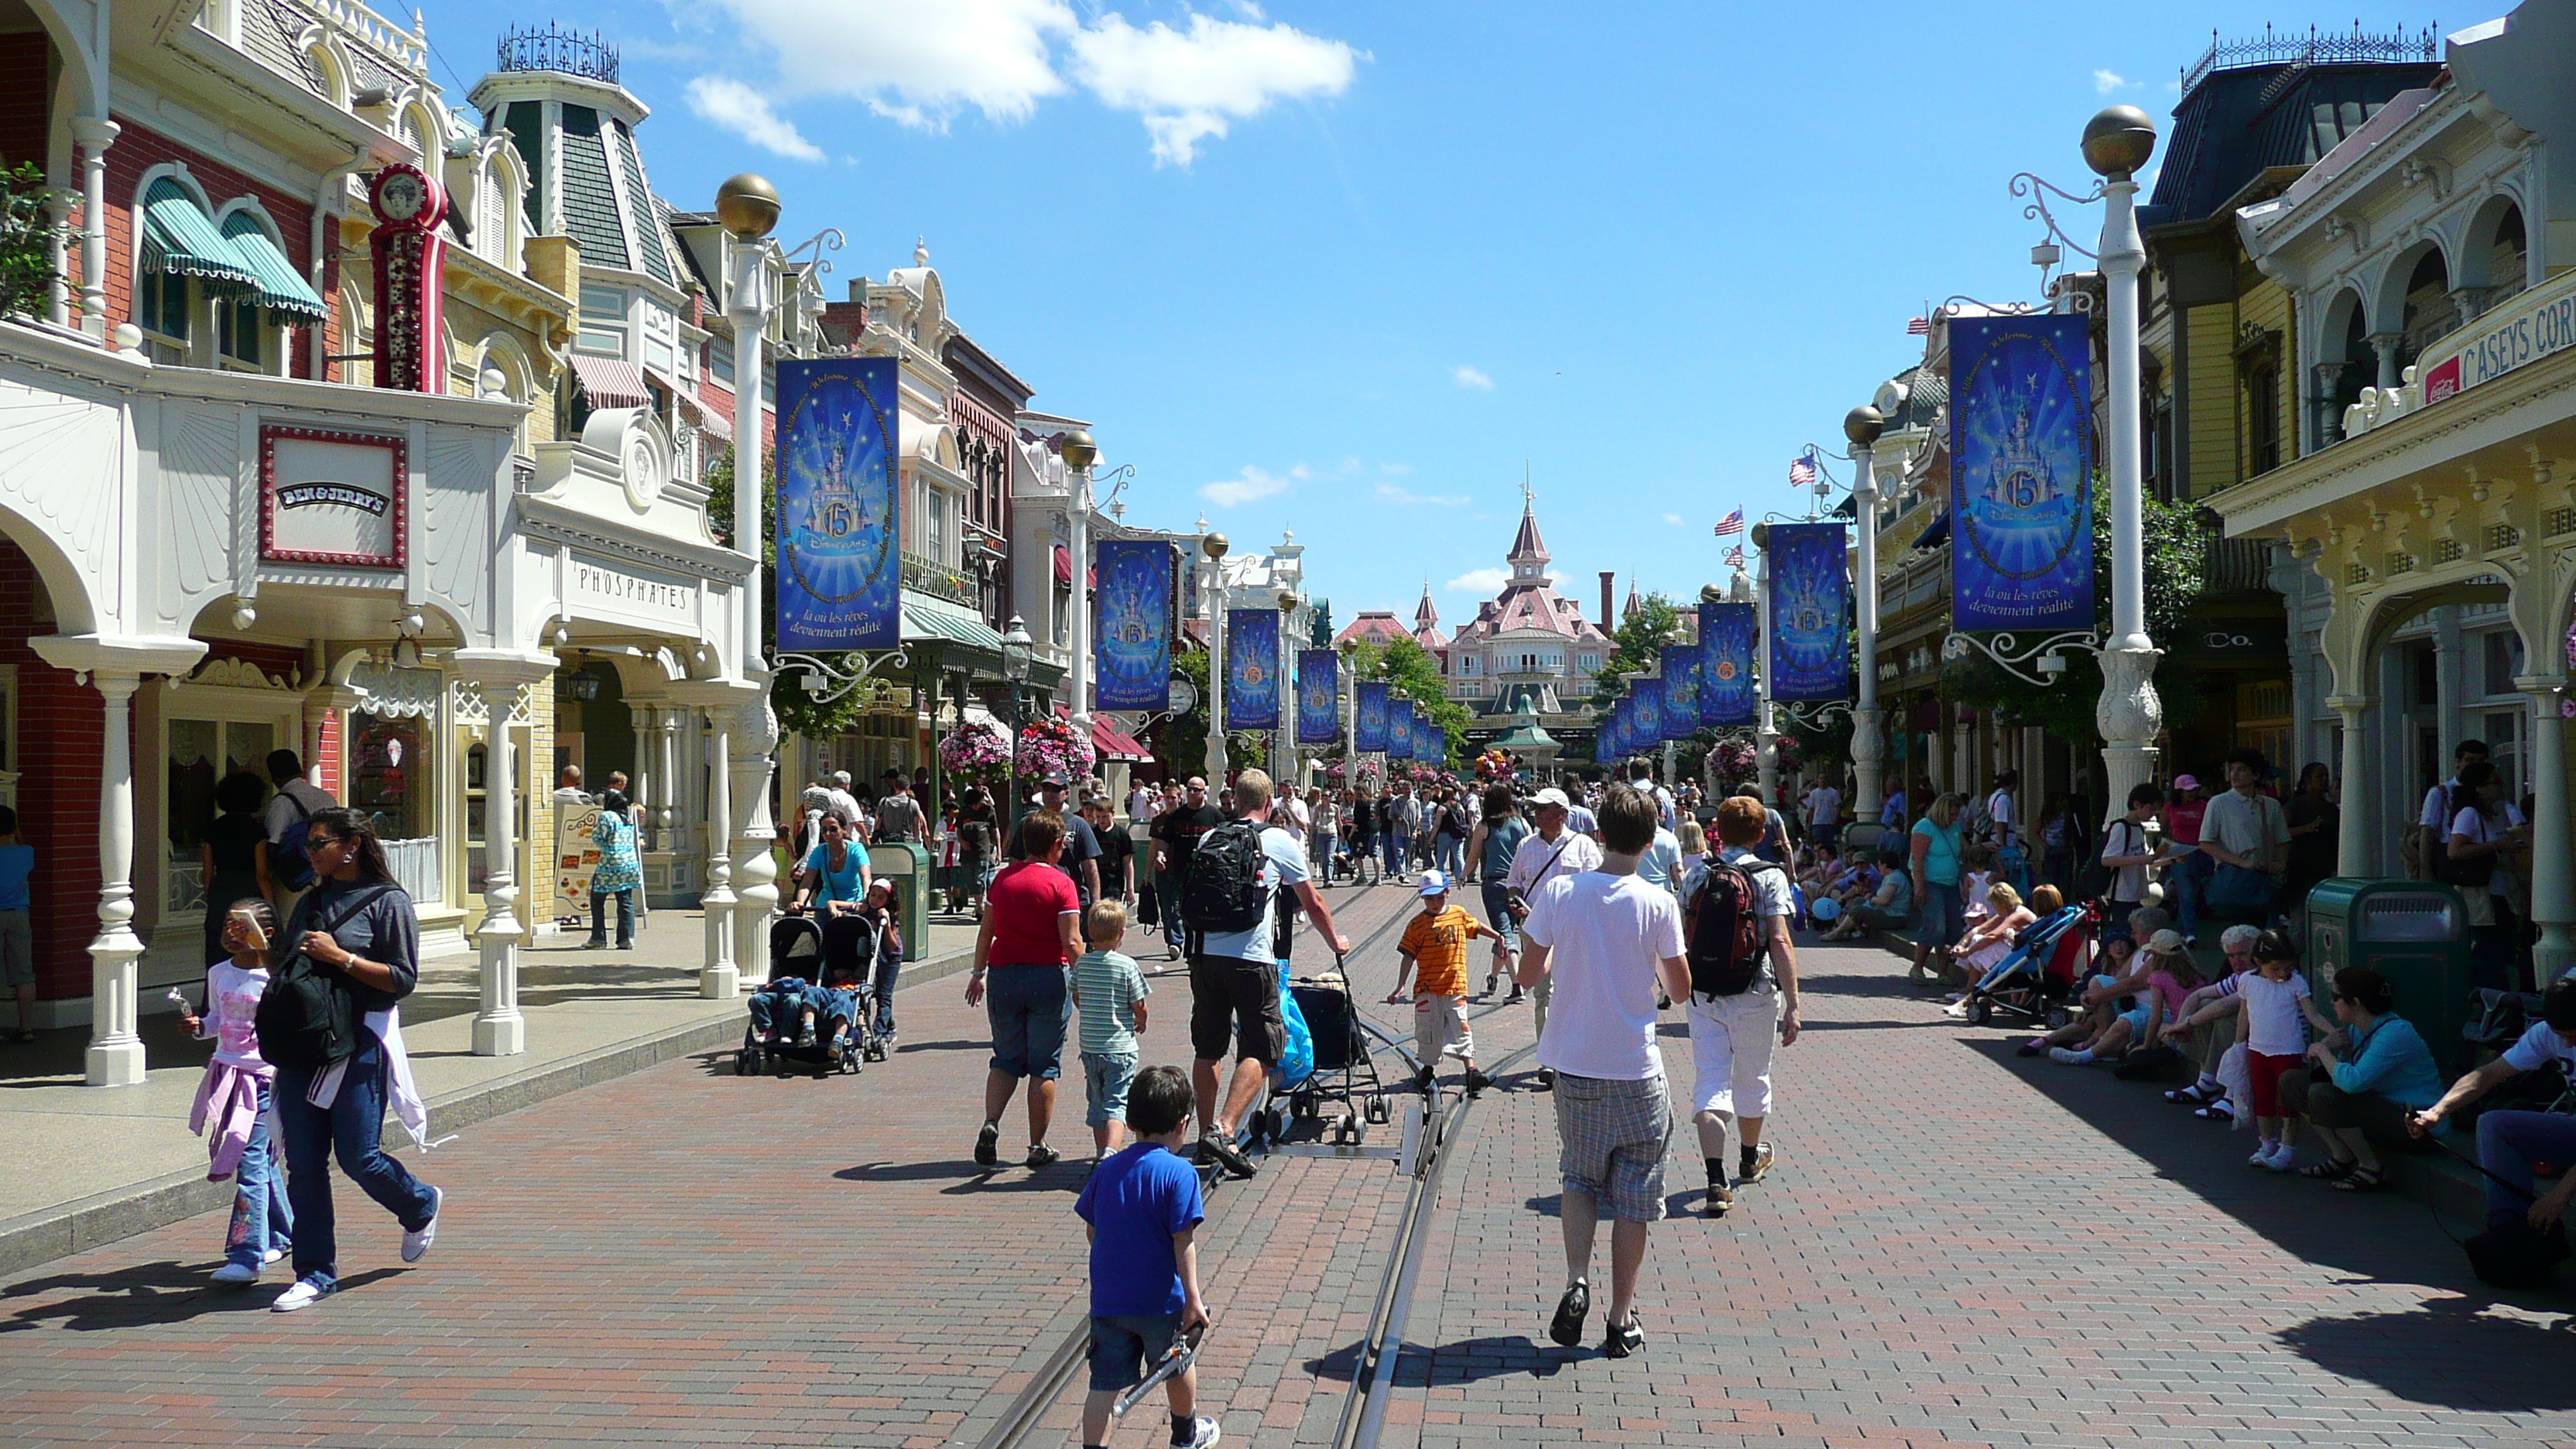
[
  {"x": 928, "y": 620},
  {"x": 179, "y": 239},
  {"x": 279, "y": 288}
]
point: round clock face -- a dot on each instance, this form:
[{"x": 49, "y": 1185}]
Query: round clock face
[{"x": 401, "y": 196}]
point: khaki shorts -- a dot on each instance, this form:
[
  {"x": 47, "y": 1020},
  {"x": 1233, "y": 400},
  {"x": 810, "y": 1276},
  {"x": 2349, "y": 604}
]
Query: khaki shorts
[{"x": 1440, "y": 1028}]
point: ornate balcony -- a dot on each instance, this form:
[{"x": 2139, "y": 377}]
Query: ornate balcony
[{"x": 938, "y": 580}]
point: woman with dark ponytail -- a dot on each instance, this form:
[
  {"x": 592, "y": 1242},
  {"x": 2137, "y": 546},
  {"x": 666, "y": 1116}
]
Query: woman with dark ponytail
[
  {"x": 359, "y": 940},
  {"x": 2366, "y": 1084}
]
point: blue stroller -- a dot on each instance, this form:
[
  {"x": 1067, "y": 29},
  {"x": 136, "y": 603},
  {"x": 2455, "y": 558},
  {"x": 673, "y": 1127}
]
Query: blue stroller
[
  {"x": 2036, "y": 979},
  {"x": 812, "y": 959}
]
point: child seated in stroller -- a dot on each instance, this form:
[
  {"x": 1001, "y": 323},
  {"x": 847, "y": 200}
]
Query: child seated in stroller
[{"x": 845, "y": 950}]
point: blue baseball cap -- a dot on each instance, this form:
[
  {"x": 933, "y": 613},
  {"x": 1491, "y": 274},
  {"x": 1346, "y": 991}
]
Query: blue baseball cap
[{"x": 1434, "y": 883}]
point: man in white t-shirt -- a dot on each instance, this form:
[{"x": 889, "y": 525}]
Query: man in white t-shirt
[
  {"x": 1731, "y": 1033},
  {"x": 2510, "y": 1142},
  {"x": 2129, "y": 850},
  {"x": 1999, "y": 807},
  {"x": 2436, "y": 814},
  {"x": 1607, "y": 940},
  {"x": 1824, "y": 806},
  {"x": 1641, "y": 778},
  {"x": 1557, "y": 850},
  {"x": 1234, "y": 979}
]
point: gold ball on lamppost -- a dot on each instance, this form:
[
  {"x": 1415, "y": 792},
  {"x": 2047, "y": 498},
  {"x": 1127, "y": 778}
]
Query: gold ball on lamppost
[
  {"x": 1761, "y": 535},
  {"x": 2118, "y": 140},
  {"x": 1214, "y": 545},
  {"x": 748, "y": 207},
  {"x": 1078, "y": 449},
  {"x": 1863, "y": 424}
]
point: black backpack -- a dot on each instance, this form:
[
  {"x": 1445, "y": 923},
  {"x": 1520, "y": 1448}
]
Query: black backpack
[
  {"x": 308, "y": 1016},
  {"x": 1224, "y": 893},
  {"x": 1727, "y": 937}
]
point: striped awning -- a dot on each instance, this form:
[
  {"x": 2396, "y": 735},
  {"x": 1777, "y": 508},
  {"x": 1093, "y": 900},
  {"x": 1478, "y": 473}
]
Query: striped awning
[
  {"x": 927, "y": 620},
  {"x": 280, "y": 288},
  {"x": 179, "y": 239},
  {"x": 1112, "y": 743},
  {"x": 609, "y": 383}
]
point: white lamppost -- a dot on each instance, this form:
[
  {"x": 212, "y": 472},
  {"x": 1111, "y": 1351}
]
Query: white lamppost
[
  {"x": 1861, "y": 426},
  {"x": 1214, "y": 546},
  {"x": 2116, "y": 143},
  {"x": 1766, "y": 733},
  {"x": 1017, "y": 651},
  {"x": 1079, "y": 454}
]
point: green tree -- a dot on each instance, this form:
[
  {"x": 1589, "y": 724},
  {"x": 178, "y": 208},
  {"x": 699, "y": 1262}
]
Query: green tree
[
  {"x": 1637, "y": 644},
  {"x": 798, "y": 712},
  {"x": 26, "y": 242},
  {"x": 1181, "y": 744},
  {"x": 2175, "y": 559}
]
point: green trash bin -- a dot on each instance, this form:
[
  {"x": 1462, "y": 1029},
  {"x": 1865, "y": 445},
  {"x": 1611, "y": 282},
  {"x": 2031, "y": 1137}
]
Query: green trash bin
[
  {"x": 906, "y": 867},
  {"x": 2415, "y": 933}
]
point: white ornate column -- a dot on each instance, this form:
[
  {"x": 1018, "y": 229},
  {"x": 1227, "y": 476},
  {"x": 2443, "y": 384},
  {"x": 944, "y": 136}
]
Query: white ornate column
[
  {"x": 2117, "y": 142},
  {"x": 755, "y": 871},
  {"x": 116, "y": 668},
  {"x": 2386, "y": 344},
  {"x": 498, "y": 675},
  {"x": 2553, "y": 866},
  {"x": 668, "y": 721},
  {"x": 58, "y": 293},
  {"x": 1861, "y": 427},
  {"x": 94, "y": 135},
  {"x": 646, "y": 719},
  {"x": 718, "y": 979},
  {"x": 2355, "y": 852}
]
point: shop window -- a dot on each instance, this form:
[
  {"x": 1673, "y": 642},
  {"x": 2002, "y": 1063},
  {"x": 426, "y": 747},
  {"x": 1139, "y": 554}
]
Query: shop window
[
  {"x": 240, "y": 336},
  {"x": 2263, "y": 419},
  {"x": 2499, "y": 659},
  {"x": 389, "y": 775},
  {"x": 162, "y": 307},
  {"x": 603, "y": 321},
  {"x": 200, "y": 753}
]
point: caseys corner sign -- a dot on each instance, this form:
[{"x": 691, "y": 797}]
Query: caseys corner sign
[{"x": 2519, "y": 332}]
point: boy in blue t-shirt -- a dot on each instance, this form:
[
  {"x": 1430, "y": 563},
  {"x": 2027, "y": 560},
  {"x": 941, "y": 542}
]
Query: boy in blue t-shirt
[
  {"x": 17, "y": 938},
  {"x": 1143, "y": 1209}
]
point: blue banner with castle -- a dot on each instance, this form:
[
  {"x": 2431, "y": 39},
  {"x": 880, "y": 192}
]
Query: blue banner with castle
[
  {"x": 840, "y": 573},
  {"x": 2021, "y": 474}
]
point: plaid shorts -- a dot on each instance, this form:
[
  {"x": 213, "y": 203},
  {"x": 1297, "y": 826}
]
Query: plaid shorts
[{"x": 1614, "y": 1134}]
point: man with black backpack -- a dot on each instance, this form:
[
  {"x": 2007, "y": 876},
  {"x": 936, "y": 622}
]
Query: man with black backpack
[
  {"x": 1237, "y": 872},
  {"x": 1744, "y": 987},
  {"x": 290, "y": 873}
]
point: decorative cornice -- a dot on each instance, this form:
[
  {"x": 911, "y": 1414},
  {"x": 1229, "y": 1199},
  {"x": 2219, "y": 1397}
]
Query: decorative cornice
[{"x": 546, "y": 521}]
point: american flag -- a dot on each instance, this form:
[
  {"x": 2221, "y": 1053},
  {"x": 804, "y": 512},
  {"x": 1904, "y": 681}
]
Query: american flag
[
  {"x": 1802, "y": 471},
  {"x": 1735, "y": 557},
  {"x": 1918, "y": 327},
  {"x": 1731, "y": 523}
]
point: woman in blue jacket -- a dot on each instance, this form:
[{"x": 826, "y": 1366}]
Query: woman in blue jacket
[{"x": 2382, "y": 1072}]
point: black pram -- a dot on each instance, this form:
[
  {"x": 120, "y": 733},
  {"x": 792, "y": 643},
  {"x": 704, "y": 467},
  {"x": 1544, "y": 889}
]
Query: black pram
[{"x": 805, "y": 953}]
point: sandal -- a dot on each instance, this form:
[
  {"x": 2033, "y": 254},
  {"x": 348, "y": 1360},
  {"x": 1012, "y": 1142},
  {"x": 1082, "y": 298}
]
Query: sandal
[
  {"x": 2335, "y": 1170},
  {"x": 2218, "y": 1111},
  {"x": 2194, "y": 1095},
  {"x": 2360, "y": 1179}
]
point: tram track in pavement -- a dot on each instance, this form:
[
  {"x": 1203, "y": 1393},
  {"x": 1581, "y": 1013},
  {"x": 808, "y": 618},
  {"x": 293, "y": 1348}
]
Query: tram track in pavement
[{"x": 1363, "y": 1416}]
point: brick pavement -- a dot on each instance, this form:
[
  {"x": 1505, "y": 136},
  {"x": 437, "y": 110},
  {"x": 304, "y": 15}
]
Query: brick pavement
[
  {"x": 1963, "y": 1247},
  {"x": 685, "y": 1256}
]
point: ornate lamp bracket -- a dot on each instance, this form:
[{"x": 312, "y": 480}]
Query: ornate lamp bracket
[
  {"x": 825, "y": 682},
  {"x": 1814, "y": 714},
  {"x": 2040, "y": 664}
]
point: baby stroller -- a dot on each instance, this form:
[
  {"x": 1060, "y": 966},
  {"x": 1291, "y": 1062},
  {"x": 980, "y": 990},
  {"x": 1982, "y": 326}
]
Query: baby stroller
[
  {"x": 1344, "y": 1070},
  {"x": 804, "y": 953},
  {"x": 2034, "y": 983}
]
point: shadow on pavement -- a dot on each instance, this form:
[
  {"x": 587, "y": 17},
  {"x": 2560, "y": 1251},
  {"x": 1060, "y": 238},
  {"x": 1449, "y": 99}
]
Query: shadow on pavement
[
  {"x": 1467, "y": 1361},
  {"x": 2448, "y": 1353},
  {"x": 163, "y": 1292}
]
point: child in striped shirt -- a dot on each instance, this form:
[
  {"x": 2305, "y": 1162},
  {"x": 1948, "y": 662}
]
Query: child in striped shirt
[{"x": 1111, "y": 992}]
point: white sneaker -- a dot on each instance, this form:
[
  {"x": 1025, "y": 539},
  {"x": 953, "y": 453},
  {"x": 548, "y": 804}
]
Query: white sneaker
[
  {"x": 416, "y": 1244},
  {"x": 272, "y": 1256},
  {"x": 2284, "y": 1157},
  {"x": 1203, "y": 1433},
  {"x": 236, "y": 1273},
  {"x": 304, "y": 1294},
  {"x": 2262, "y": 1156}
]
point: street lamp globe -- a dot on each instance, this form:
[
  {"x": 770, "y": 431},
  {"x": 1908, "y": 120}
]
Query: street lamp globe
[
  {"x": 748, "y": 206},
  {"x": 1863, "y": 424},
  {"x": 1017, "y": 647},
  {"x": 2118, "y": 140},
  {"x": 1078, "y": 449}
]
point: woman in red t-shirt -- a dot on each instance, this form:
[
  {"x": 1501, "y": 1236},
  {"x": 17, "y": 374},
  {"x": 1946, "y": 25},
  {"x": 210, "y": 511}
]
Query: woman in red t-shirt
[{"x": 1031, "y": 933}]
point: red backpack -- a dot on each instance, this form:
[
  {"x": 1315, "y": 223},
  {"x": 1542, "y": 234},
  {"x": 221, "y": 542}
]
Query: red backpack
[{"x": 1727, "y": 939}]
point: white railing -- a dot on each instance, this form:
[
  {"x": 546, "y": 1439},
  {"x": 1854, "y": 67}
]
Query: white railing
[
  {"x": 415, "y": 867},
  {"x": 375, "y": 30}
]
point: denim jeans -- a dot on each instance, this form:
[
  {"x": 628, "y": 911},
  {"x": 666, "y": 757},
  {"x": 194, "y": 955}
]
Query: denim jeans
[
  {"x": 1026, "y": 1006},
  {"x": 1453, "y": 855},
  {"x": 2190, "y": 884},
  {"x": 2508, "y": 1143},
  {"x": 262, "y": 1219},
  {"x": 1167, "y": 902},
  {"x": 784, "y": 996},
  {"x": 1394, "y": 854},
  {"x": 625, "y": 917},
  {"x": 889, "y": 967},
  {"x": 351, "y": 1128}
]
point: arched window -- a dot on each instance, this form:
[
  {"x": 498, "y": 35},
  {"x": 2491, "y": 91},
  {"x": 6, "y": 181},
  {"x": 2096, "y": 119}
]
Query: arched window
[{"x": 2431, "y": 312}]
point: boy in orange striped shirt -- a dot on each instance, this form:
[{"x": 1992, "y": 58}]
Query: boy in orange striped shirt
[{"x": 1434, "y": 953}]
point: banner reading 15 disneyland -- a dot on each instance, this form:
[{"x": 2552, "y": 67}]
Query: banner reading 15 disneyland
[
  {"x": 1810, "y": 612},
  {"x": 1133, "y": 640},
  {"x": 1319, "y": 697},
  {"x": 2021, "y": 474},
  {"x": 1370, "y": 727},
  {"x": 839, "y": 577},
  {"x": 1251, "y": 669},
  {"x": 1726, "y": 697}
]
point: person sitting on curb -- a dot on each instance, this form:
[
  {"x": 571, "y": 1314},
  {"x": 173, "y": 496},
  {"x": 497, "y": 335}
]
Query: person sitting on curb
[
  {"x": 2510, "y": 1142},
  {"x": 2375, "y": 1078},
  {"x": 1888, "y": 908}
]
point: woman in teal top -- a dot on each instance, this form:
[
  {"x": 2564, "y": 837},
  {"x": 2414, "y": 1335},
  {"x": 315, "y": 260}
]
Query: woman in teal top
[
  {"x": 835, "y": 872},
  {"x": 2383, "y": 1072},
  {"x": 1935, "y": 868},
  {"x": 1490, "y": 849},
  {"x": 619, "y": 874}
]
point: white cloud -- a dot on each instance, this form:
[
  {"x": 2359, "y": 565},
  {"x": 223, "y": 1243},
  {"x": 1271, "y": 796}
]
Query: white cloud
[
  {"x": 1188, "y": 85},
  {"x": 1393, "y": 494},
  {"x": 1252, "y": 485},
  {"x": 913, "y": 62},
  {"x": 2107, "y": 81},
  {"x": 745, "y": 112},
  {"x": 1472, "y": 377},
  {"x": 1395, "y": 470},
  {"x": 1674, "y": 519},
  {"x": 1480, "y": 582}
]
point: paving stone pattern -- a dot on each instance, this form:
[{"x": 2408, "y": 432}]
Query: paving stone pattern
[{"x": 1958, "y": 1248}]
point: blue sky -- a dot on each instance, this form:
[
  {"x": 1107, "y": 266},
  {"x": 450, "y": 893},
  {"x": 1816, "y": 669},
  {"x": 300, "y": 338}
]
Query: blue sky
[{"x": 1346, "y": 268}]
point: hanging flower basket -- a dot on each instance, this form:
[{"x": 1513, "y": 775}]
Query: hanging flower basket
[
  {"x": 976, "y": 753},
  {"x": 1050, "y": 749},
  {"x": 1734, "y": 759}
]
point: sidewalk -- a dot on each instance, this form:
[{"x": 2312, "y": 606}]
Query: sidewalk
[
  {"x": 1959, "y": 1246},
  {"x": 89, "y": 1165}
]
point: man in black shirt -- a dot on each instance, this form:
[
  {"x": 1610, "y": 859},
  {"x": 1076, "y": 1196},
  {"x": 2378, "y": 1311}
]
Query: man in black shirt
[
  {"x": 1117, "y": 849},
  {"x": 898, "y": 814},
  {"x": 1081, "y": 856},
  {"x": 1176, "y": 834}
]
